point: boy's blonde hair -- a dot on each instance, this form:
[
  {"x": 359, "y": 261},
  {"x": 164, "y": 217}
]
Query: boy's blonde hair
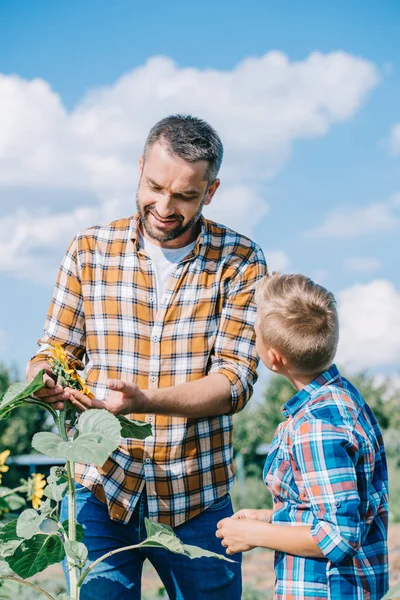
[{"x": 299, "y": 319}]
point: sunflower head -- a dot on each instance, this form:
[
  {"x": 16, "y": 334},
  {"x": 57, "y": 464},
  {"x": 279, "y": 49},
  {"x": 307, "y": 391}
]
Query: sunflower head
[
  {"x": 66, "y": 375},
  {"x": 3, "y": 467},
  {"x": 35, "y": 489}
]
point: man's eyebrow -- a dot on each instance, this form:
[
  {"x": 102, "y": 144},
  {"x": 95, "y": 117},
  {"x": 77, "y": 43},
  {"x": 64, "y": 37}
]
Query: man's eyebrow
[
  {"x": 153, "y": 182},
  {"x": 187, "y": 193},
  {"x": 192, "y": 192}
]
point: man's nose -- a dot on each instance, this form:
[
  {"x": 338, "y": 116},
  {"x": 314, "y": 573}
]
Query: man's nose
[{"x": 165, "y": 206}]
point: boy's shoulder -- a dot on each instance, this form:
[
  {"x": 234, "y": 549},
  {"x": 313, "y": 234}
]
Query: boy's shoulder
[{"x": 338, "y": 403}]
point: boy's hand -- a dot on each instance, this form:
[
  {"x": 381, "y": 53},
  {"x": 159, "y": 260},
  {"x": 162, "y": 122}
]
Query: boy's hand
[
  {"x": 124, "y": 399},
  {"x": 264, "y": 514},
  {"x": 236, "y": 535}
]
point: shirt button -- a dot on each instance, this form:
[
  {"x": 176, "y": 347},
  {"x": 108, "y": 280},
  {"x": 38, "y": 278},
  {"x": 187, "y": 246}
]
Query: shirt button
[
  {"x": 151, "y": 299},
  {"x": 153, "y": 378},
  {"x": 149, "y": 419},
  {"x": 155, "y": 338},
  {"x": 147, "y": 460},
  {"x": 149, "y": 261}
]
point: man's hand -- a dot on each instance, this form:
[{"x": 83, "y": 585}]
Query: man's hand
[
  {"x": 52, "y": 392},
  {"x": 124, "y": 399},
  {"x": 264, "y": 514},
  {"x": 237, "y": 534}
]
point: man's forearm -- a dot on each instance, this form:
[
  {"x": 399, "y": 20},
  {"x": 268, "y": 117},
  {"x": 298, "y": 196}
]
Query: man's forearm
[{"x": 204, "y": 397}]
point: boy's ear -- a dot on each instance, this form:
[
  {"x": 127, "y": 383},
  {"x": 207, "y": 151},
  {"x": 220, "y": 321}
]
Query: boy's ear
[{"x": 275, "y": 359}]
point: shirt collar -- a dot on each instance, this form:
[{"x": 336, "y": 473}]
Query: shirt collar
[{"x": 299, "y": 400}]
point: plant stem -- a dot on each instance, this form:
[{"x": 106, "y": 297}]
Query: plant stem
[
  {"x": 28, "y": 583},
  {"x": 99, "y": 560},
  {"x": 70, "y": 466},
  {"x": 21, "y": 488},
  {"x": 73, "y": 578}
]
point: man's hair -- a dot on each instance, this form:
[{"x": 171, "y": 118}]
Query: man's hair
[
  {"x": 299, "y": 319},
  {"x": 189, "y": 138}
]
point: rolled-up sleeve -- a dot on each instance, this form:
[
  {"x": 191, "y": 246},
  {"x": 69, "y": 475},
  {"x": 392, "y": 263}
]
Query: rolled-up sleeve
[
  {"x": 234, "y": 353},
  {"x": 325, "y": 456},
  {"x": 65, "y": 318}
]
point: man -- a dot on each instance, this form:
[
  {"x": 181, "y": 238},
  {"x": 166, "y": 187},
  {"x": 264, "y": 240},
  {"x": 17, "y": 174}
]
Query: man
[{"x": 160, "y": 307}]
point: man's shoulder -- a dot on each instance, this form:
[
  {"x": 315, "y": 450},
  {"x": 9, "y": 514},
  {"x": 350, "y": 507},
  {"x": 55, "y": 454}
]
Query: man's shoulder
[
  {"x": 225, "y": 240},
  {"x": 119, "y": 230}
]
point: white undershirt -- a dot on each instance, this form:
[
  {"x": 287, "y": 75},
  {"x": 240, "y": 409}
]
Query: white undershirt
[{"x": 164, "y": 262}]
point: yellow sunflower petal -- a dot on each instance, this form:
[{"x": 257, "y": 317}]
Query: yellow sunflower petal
[{"x": 3, "y": 456}]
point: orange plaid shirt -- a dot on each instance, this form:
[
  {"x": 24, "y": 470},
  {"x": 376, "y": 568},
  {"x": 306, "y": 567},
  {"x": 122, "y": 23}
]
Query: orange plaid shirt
[{"x": 103, "y": 312}]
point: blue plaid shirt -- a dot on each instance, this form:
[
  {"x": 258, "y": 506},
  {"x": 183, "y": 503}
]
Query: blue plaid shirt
[{"x": 327, "y": 468}]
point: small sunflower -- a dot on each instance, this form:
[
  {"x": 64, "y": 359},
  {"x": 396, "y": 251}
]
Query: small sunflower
[
  {"x": 84, "y": 388},
  {"x": 37, "y": 483},
  {"x": 3, "y": 467},
  {"x": 67, "y": 376}
]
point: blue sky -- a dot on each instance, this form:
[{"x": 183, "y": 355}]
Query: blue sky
[{"x": 306, "y": 97}]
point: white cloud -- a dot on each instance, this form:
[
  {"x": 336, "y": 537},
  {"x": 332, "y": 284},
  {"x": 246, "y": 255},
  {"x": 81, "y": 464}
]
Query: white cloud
[
  {"x": 393, "y": 140},
  {"x": 369, "y": 325},
  {"x": 260, "y": 109},
  {"x": 354, "y": 222},
  {"x": 239, "y": 206},
  {"x": 362, "y": 264},
  {"x": 277, "y": 260}
]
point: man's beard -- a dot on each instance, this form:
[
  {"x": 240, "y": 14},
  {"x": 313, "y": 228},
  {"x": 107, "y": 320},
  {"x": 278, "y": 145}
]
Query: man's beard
[{"x": 172, "y": 234}]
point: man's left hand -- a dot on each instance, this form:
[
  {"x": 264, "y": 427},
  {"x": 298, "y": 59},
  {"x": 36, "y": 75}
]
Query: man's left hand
[
  {"x": 235, "y": 534},
  {"x": 124, "y": 398}
]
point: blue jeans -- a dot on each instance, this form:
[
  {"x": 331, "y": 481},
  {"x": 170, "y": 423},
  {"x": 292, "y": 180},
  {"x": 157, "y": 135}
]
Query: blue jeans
[{"x": 184, "y": 579}]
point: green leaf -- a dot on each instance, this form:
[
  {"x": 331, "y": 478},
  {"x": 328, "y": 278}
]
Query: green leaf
[
  {"x": 21, "y": 393},
  {"x": 77, "y": 551},
  {"x": 15, "y": 390},
  {"x": 99, "y": 436},
  {"x": 9, "y": 540},
  {"x": 9, "y": 531},
  {"x": 47, "y": 443},
  {"x": 138, "y": 430},
  {"x": 393, "y": 593},
  {"x": 162, "y": 536},
  {"x": 34, "y": 555},
  {"x": 80, "y": 532},
  {"x": 99, "y": 421},
  {"x": 29, "y": 523},
  {"x": 9, "y": 589},
  {"x": 197, "y": 552},
  {"x": 34, "y": 386},
  {"x": 46, "y": 508},
  {"x": 4, "y": 568},
  {"x": 91, "y": 448},
  {"x": 12, "y": 502},
  {"x": 8, "y": 548},
  {"x": 57, "y": 484}
]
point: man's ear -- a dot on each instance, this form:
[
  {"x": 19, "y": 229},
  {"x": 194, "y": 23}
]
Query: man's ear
[
  {"x": 276, "y": 360},
  {"x": 211, "y": 191},
  {"x": 141, "y": 165}
]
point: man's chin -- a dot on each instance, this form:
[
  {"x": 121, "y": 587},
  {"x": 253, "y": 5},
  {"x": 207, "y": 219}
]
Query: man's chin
[{"x": 163, "y": 236}]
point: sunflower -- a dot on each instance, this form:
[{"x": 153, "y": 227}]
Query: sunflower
[
  {"x": 67, "y": 376},
  {"x": 84, "y": 388},
  {"x": 59, "y": 355},
  {"x": 3, "y": 467},
  {"x": 38, "y": 482}
]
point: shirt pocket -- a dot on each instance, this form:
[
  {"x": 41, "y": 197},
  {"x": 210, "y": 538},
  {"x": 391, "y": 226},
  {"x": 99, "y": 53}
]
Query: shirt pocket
[{"x": 280, "y": 478}]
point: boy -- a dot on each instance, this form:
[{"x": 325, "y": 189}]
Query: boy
[{"x": 326, "y": 468}]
